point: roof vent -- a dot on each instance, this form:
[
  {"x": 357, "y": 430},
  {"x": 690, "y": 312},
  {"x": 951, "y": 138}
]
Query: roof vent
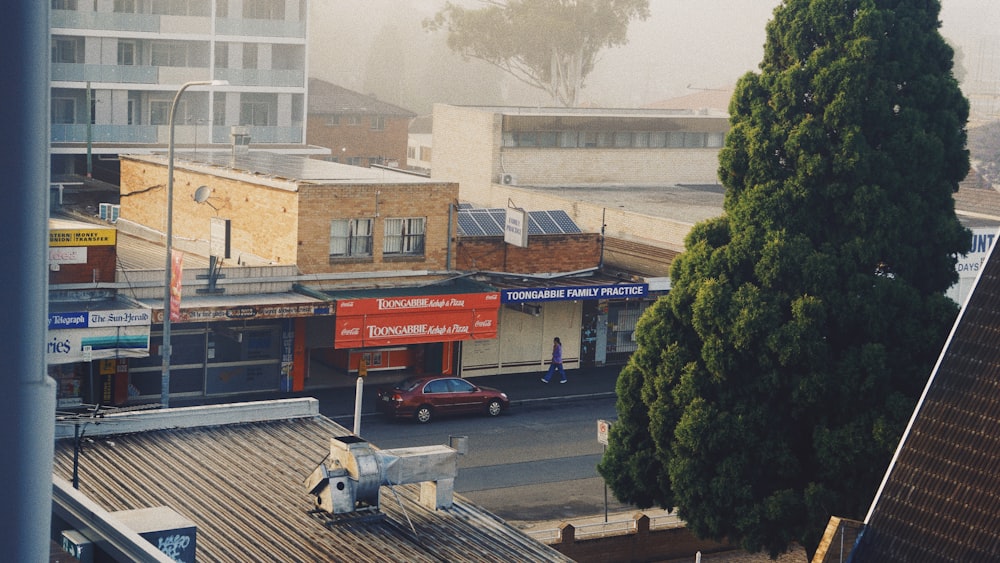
[{"x": 349, "y": 479}]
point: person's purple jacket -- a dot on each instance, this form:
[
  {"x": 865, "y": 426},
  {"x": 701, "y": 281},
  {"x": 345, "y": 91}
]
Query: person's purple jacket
[{"x": 556, "y": 354}]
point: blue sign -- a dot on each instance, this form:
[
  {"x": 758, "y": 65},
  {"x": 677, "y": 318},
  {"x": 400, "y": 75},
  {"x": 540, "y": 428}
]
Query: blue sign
[
  {"x": 534, "y": 294},
  {"x": 68, "y": 320}
]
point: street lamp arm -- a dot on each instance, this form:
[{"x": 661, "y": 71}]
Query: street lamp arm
[{"x": 165, "y": 347}]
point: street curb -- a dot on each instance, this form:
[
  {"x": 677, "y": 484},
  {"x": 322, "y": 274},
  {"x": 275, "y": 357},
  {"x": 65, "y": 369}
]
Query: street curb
[{"x": 513, "y": 404}]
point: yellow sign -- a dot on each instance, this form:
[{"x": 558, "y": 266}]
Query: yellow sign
[
  {"x": 362, "y": 368},
  {"x": 82, "y": 237}
]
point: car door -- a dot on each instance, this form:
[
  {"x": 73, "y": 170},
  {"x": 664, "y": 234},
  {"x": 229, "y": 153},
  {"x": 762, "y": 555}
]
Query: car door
[
  {"x": 464, "y": 395},
  {"x": 438, "y": 394}
]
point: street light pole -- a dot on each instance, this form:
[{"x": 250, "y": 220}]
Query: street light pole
[{"x": 165, "y": 347}]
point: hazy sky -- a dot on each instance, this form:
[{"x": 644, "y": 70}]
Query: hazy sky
[{"x": 696, "y": 43}]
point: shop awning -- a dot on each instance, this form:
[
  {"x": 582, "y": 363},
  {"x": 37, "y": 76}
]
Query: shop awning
[{"x": 457, "y": 309}]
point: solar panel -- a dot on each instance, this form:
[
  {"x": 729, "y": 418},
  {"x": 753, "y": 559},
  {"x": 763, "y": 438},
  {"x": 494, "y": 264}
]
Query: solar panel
[
  {"x": 469, "y": 226},
  {"x": 564, "y": 221},
  {"x": 491, "y": 222},
  {"x": 545, "y": 223}
]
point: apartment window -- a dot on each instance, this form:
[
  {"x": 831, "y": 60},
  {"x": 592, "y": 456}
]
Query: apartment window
[
  {"x": 254, "y": 113},
  {"x": 63, "y": 110},
  {"x": 221, "y": 8},
  {"x": 63, "y": 4},
  {"x": 131, "y": 113},
  {"x": 249, "y": 55},
  {"x": 354, "y": 160},
  {"x": 124, "y": 7},
  {"x": 159, "y": 111},
  {"x": 168, "y": 54},
  {"x": 350, "y": 237},
  {"x": 219, "y": 109},
  {"x": 180, "y": 7},
  {"x": 264, "y": 9},
  {"x": 378, "y": 123},
  {"x": 66, "y": 50},
  {"x": 221, "y": 55},
  {"x": 126, "y": 52},
  {"x": 404, "y": 236},
  {"x": 411, "y": 153},
  {"x": 353, "y": 120},
  {"x": 715, "y": 140},
  {"x": 623, "y": 139},
  {"x": 333, "y": 120}
]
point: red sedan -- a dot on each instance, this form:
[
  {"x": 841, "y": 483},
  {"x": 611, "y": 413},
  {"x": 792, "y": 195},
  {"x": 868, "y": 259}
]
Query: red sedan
[{"x": 424, "y": 398}]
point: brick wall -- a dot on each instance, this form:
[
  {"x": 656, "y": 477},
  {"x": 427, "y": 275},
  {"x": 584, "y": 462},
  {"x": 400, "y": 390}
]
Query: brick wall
[
  {"x": 284, "y": 222},
  {"x": 347, "y": 141},
  {"x": 544, "y": 253},
  {"x": 641, "y": 545},
  {"x": 321, "y": 204},
  {"x": 100, "y": 267}
]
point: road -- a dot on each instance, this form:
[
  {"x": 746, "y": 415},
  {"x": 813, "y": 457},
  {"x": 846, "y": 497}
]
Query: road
[{"x": 535, "y": 462}]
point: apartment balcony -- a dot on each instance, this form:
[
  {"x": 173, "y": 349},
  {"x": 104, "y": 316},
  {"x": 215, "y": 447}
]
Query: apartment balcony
[
  {"x": 117, "y": 74},
  {"x": 260, "y": 28},
  {"x": 77, "y": 133},
  {"x": 110, "y": 21},
  {"x": 262, "y": 77},
  {"x": 263, "y": 135}
]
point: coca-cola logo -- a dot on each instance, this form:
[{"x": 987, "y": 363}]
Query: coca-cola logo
[{"x": 355, "y": 331}]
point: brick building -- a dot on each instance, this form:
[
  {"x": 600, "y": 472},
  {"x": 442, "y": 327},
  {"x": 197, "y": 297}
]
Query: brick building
[
  {"x": 324, "y": 262},
  {"x": 359, "y": 130}
]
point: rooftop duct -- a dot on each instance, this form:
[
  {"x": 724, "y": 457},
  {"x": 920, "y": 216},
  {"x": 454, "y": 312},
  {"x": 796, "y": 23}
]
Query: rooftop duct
[{"x": 350, "y": 477}]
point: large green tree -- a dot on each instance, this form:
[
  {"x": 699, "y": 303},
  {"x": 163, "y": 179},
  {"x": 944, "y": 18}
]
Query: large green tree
[
  {"x": 548, "y": 44},
  {"x": 772, "y": 384}
]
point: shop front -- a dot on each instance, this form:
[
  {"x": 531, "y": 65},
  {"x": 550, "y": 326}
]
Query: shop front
[
  {"x": 410, "y": 329},
  {"x": 594, "y": 320},
  {"x": 88, "y": 345},
  {"x": 254, "y": 343}
]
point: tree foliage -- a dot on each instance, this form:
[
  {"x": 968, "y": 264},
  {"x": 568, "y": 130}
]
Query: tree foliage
[
  {"x": 548, "y": 44},
  {"x": 772, "y": 384}
]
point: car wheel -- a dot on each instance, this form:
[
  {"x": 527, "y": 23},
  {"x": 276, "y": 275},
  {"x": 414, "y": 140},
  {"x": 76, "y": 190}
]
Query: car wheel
[
  {"x": 494, "y": 408},
  {"x": 423, "y": 414}
]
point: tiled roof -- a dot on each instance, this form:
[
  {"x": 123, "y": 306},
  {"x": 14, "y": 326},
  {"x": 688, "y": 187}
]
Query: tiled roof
[
  {"x": 326, "y": 98},
  {"x": 243, "y": 486},
  {"x": 940, "y": 500}
]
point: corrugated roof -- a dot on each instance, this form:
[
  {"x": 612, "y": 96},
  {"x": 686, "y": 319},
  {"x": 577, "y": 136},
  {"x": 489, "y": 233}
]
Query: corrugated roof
[
  {"x": 940, "y": 500},
  {"x": 243, "y": 486}
]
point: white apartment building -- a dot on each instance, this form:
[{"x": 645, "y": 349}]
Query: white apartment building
[{"x": 116, "y": 66}]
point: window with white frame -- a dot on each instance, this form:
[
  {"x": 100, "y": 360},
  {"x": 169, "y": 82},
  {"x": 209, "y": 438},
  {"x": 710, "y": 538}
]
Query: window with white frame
[
  {"x": 378, "y": 123},
  {"x": 404, "y": 236},
  {"x": 63, "y": 4},
  {"x": 126, "y": 52},
  {"x": 350, "y": 237},
  {"x": 254, "y": 113},
  {"x": 159, "y": 111}
]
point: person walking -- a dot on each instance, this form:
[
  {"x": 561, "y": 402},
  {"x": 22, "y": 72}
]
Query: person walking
[{"x": 556, "y": 362}]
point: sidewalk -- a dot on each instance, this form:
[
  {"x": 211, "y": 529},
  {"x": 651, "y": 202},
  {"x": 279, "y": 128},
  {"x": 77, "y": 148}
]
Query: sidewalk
[{"x": 336, "y": 395}]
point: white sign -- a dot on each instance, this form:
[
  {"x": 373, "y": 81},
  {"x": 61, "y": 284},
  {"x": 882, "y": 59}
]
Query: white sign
[
  {"x": 67, "y": 255},
  {"x": 603, "y": 428},
  {"x": 516, "y": 227}
]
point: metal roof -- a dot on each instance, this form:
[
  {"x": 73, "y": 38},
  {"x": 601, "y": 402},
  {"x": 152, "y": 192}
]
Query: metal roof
[{"x": 242, "y": 484}]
